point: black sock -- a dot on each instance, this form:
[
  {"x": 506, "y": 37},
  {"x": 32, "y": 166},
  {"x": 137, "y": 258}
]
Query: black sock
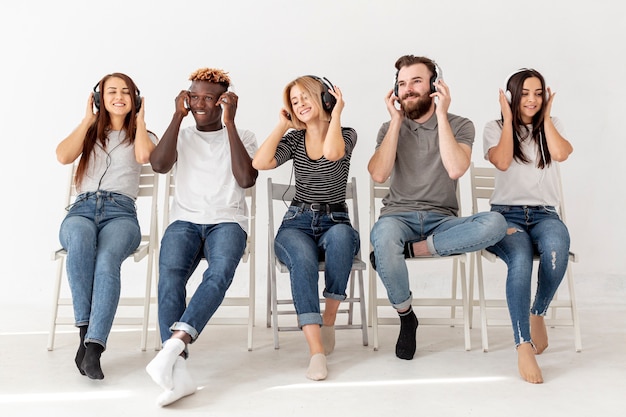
[
  {"x": 91, "y": 361},
  {"x": 408, "y": 249},
  {"x": 373, "y": 260},
  {"x": 80, "y": 354},
  {"x": 406, "y": 345}
]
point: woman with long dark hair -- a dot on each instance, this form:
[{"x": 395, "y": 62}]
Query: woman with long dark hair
[
  {"x": 101, "y": 229},
  {"x": 526, "y": 145}
]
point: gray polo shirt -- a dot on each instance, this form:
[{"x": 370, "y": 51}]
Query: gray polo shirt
[{"x": 419, "y": 181}]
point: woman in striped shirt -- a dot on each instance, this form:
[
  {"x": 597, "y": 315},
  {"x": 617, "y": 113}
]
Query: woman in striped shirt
[{"x": 317, "y": 222}]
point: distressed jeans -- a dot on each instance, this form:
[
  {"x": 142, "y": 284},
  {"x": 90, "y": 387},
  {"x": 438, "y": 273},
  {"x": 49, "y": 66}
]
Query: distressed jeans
[
  {"x": 532, "y": 230},
  {"x": 98, "y": 233},
  {"x": 445, "y": 235}
]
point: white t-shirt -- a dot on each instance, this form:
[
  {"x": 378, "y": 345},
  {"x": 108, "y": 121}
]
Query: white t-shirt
[
  {"x": 206, "y": 191},
  {"x": 523, "y": 184},
  {"x": 114, "y": 169}
]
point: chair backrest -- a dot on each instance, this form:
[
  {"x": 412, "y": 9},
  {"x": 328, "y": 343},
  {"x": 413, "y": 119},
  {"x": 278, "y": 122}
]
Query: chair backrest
[
  {"x": 483, "y": 182},
  {"x": 286, "y": 192},
  {"x": 250, "y": 196}
]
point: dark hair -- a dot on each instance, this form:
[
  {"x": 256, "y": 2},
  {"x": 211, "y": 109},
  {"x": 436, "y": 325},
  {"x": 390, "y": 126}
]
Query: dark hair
[
  {"x": 515, "y": 85},
  {"x": 408, "y": 60},
  {"x": 101, "y": 127}
]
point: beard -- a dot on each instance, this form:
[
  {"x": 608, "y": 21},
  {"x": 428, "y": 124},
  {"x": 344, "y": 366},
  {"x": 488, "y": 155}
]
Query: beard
[{"x": 416, "y": 109}]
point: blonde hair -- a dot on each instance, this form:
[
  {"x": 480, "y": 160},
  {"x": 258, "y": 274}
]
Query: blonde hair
[
  {"x": 313, "y": 88},
  {"x": 212, "y": 75}
]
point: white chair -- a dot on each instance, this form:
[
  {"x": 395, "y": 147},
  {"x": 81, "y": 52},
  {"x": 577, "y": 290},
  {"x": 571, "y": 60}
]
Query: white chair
[
  {"x": 282, "y": 194},
  {"x": 483, "y": 183},
  {"x": 249, "y": 256},
  {"x": 377, "y": 192},
  {"x": 148, "y": 250}
]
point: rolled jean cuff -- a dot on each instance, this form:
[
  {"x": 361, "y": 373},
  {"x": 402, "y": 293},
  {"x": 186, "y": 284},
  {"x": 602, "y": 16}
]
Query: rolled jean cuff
[
  {"x": 179, "y": 325},
  {"x": 338, "y": 297},
  {"x": 99, "y": 342},
  {"x": 431, "y": 246},
  {"x": 405, "y": 304},
  {"x": 309, "y": 318}
]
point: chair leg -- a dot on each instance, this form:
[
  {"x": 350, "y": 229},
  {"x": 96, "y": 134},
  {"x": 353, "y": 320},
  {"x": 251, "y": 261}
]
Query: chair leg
[
  {"x": 374, "y": 310},
  {"x": 482, "y": 302},
  {"x": 574, "y": 310},
  {"x": 55, "y": 303},
  {"x": 362, "y": 308},
  {"x": 466, "y": 306}
]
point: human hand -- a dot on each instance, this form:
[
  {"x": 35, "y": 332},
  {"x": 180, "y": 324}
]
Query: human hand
[
  {"x": 90, "y": 115},
  {"x": 549, "y": 99},
  {"x": 339, "y": 105},
  {"x": 228, "y": 101},
  {"x": 390, "y": 100},
  {"x": 141, "y": 113},
  {"x": 505, "y": 107},
  {"x": 181, "y": 103},
  {"x": 442, "y": 97}
]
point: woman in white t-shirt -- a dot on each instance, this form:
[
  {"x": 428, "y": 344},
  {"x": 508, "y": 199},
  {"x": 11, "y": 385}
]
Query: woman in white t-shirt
[
  {"x": 526, "y": 145},
  {"x": 101, "y": 229}
]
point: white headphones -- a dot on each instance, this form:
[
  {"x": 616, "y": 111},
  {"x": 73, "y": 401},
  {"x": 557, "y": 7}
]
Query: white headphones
[{"x": 507, "y": 92}]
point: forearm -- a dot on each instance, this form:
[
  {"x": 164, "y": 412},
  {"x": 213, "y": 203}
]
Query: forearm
[
  {"x": 334, "y": 145},
  {"x": 265, "y": 156},
  {"x": 559, "y": 147},
  {"x": 164, "y": 154},
  {"x": 455, "y": 156},
  {"x": 245, "y": 174},
  {"x": 143, "y": 145},
  {"x": 384, "y": 158},
  {"x": 71, "y": 147}
]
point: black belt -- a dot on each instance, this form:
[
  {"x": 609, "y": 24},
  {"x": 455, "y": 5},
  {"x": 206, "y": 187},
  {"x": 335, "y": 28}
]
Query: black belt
[{"x": 325, "y": 207}]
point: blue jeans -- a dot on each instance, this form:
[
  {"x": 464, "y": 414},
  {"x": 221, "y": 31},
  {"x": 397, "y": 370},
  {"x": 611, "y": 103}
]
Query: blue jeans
[
  {"x": 445, "y": 235},
  {"x": 304, "y": 238},
  {"x": 98, "y": 233},
  {"x": 539, "y": 230},
  {"x": 183, "y": 246}
]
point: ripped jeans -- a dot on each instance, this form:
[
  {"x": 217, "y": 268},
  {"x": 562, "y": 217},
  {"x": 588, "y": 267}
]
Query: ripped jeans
[{"x": 532, "y": 230}]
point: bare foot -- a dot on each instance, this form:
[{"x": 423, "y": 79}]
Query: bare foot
[
  {"x": 527, "y": 364},
  {"x": 538, "y": 333}
]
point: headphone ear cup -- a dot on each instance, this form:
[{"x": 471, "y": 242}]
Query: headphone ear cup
[
  {"x": 138, "y": 101},
  {"x": 96, "y": 99},
  {"x": 508, "y": 96},
  {"x": 435, "y": 78},
  {"x": 328, "y": 100}
]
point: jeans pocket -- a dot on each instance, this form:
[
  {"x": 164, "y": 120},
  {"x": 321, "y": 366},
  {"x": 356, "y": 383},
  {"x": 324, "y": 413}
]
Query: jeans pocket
[{"x": 291, "y": 214}]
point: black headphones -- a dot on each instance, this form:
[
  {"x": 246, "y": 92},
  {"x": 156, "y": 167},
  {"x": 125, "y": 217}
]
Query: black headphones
[
  {"x": 96, "y": 97},
  {"x": 328, "y": 100},
  {"x": 438, "y": 75}
]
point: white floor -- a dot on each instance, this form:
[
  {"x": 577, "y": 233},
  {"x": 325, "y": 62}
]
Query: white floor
[{"x": 442, "y": 380}]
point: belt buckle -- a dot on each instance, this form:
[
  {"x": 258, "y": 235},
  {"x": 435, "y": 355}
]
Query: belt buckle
[{"x": 316, "y": 206}]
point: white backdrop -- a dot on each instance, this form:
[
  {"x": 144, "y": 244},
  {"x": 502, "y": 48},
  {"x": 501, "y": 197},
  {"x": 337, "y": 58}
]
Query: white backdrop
[{"x": 53, "y": 52}]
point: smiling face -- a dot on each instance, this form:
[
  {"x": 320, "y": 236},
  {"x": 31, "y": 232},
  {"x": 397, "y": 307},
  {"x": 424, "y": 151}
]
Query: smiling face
[
  {"x": 531, "y": 100},
  {"x": 117, "y": 97},
  {"x": 414, "y": 90},
  {"x": 302, "y": 106},
  {"x": 203, "y": 102}
]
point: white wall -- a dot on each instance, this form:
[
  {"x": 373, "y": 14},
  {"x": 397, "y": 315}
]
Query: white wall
[{"x": 54, "y": 52}]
